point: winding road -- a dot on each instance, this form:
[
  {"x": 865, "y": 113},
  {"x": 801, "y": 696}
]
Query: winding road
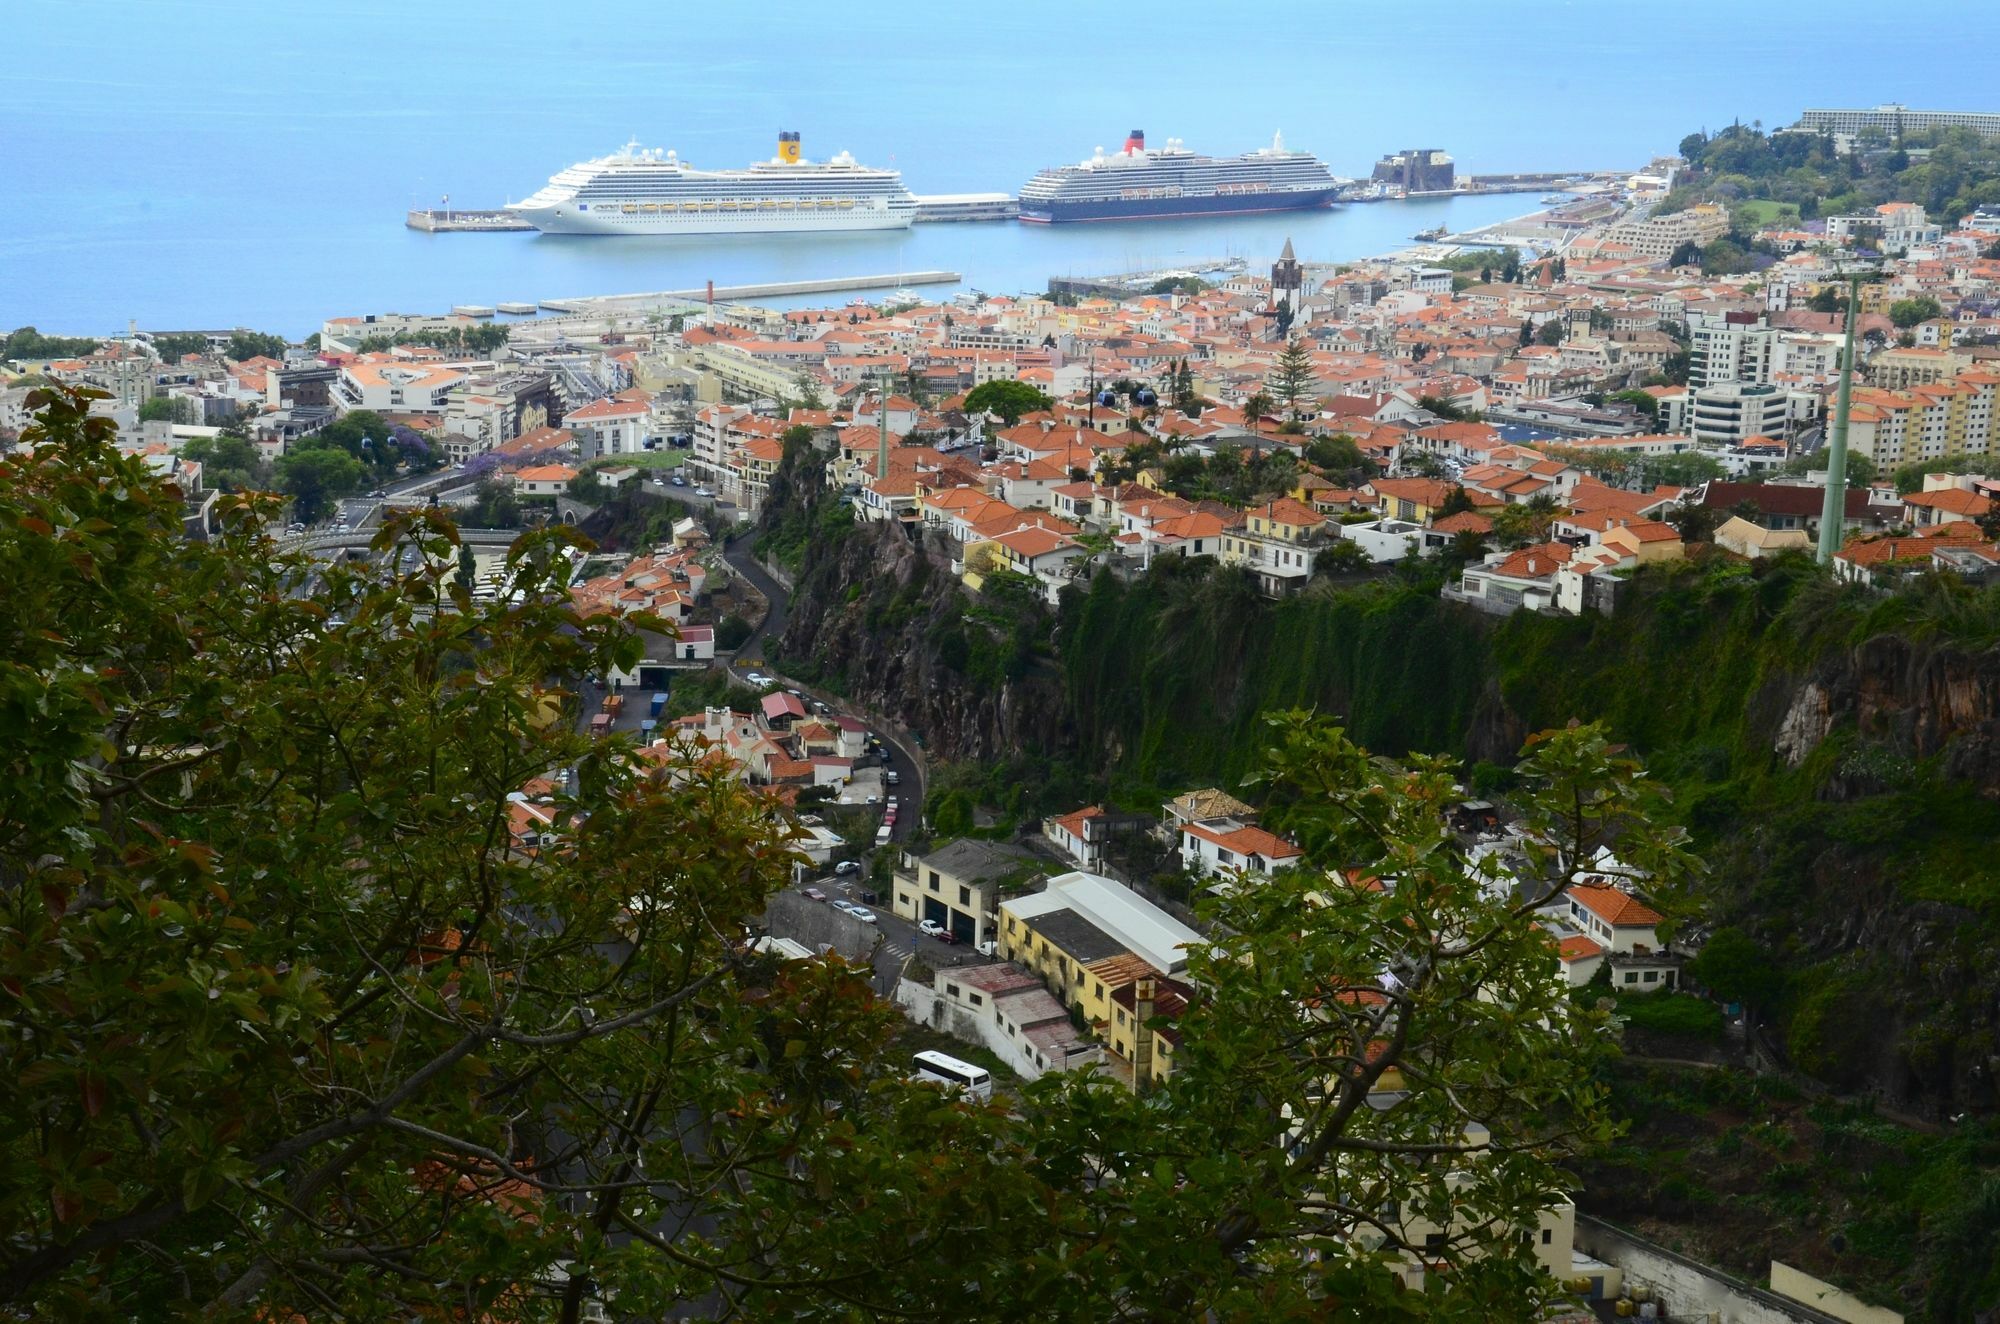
[{"x": 911, "y": 765}]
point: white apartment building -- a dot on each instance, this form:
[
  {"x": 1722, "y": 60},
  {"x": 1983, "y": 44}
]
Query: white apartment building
[
  {"x": 1798, "y": 357},
  {"x": 610, "y": 426},
  {"x": 1659, "y": 236},
  {"x": 395, "y": 388},
  {"x": 1892, "y": 119},
  {"x": 1735, "y": 348},
  {"x": 1900, "y": 226},
  {"x": 1730, "y": 413}
]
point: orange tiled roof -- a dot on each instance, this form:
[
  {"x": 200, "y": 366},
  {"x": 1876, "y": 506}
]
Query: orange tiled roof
[{"x": 1615, "y": 907}]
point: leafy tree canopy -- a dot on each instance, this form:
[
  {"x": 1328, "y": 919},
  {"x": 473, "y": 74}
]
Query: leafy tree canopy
[
  {"x": 298, "y": 1021},
  {"x": 318, "y": 476},
  {"x": 167, "y": 408},
  {"x": 1909, "y": 312},
  {"x": 1008, "y": 399},
  {"x": 27, "y": 343}
]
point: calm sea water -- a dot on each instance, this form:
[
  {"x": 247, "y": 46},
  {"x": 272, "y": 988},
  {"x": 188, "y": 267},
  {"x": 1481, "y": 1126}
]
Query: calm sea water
[{"x": 210, "y": 163}]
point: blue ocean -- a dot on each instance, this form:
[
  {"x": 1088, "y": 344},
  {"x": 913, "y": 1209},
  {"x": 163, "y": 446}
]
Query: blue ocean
[{"x": 207, "y": 163}]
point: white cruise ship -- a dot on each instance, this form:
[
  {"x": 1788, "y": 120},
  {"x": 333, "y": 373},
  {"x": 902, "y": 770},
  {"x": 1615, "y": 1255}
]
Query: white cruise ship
[{"x": 648, "y": 191}]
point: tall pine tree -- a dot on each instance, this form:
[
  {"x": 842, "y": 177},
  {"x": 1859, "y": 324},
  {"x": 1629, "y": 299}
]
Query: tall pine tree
[{"x": 1292, "y": 380}]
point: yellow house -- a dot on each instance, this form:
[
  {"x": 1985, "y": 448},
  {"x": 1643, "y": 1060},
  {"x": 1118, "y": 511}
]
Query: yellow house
[
  {"x": 1417, "y": 500},
  {"x": 1647, "y": 540},
  {"x": 1285, "y": 519},
  {"x": 1876, "y": 298},
  {"x": 1080, "y": 919},
  {"x": 1133, "y": 1035},
  {"x": 1105, "y": 978},
  {"x": 758, "y": 458},
  {"x": 1060, "y": 946}
]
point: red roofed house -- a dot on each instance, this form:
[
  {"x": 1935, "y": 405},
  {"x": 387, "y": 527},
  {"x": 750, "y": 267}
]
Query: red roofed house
[
  {"x": 1581, "y": 958},
  {"x": 1509, "y": 581},
  {"x": 543, "y": 479},
  {"x": 1042, "y": 554},
  {"x": 1226, "y": 845},
  {"x": 782, "y": 709},
  {"x": 1943, "y": 506},
  {"x": 1615, "y": 918},
  {"x": 1627, "y": 928},
  {"x": 1079, "y": 835}
]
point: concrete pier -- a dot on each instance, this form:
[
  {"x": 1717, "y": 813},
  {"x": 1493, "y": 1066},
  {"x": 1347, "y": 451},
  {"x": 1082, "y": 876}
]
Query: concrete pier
[
  {"x": 937, "y": 207},
  {"x": 433, "y": 220},
  {"x": 831, "y": 285}
]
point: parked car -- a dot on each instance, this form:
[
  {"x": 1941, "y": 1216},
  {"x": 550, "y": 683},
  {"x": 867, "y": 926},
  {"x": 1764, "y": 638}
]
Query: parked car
[
  {"x": 814, "y": 894},
  {"x": 757, "y": 678},
  {"x": 947, "y": 937},
  {"x": 703, "y": 492},
  {"x": 862, "y": 913},
  {"x": 847, "y": 866},
  {"x": 893, "y": 777},
  {"x": 988, "y": 948},
  {"x": 931, "y": 927},
  {"x": 845, "y": 907},
  {"x": 678, "y": 481}
]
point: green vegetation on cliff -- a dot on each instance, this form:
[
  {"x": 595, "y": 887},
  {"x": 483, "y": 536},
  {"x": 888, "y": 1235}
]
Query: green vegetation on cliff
[
  {"x": 1169, "y": 676},
  {"x": 1803, "y": 727}
]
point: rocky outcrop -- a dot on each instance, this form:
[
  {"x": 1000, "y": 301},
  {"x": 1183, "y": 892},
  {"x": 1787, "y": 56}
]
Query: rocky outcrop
[
  {"x": 1908, "y": 699},
  {"x": 865, "y": 621}
]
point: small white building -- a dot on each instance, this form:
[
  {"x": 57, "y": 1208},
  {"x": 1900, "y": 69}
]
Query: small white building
[
  {"x": 1227, "y": 846},
  {"x": 1385, "y": 539},
  {"x": 543, "y": 480}
]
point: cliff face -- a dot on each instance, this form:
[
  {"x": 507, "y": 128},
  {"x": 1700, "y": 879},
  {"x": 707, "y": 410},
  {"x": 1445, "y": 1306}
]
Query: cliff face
[
  {"x": 1838, "y": 759},
  {"x": 874, "y": 616},
  {"x": 1919, "y": 700},
  {"x": 1841, "y": 774}
]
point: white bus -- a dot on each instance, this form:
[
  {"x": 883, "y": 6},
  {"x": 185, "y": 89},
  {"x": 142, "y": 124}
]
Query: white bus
[{"x": 949, "y": 1071}]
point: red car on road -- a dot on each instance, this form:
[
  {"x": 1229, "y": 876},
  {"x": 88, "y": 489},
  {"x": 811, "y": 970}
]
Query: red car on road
[{"x": 814, "y": 894}]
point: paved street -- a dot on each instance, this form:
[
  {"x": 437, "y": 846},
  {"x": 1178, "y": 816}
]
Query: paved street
[
  {"x": 898, "y": 938},
  {"x": 909, "y": 766}
]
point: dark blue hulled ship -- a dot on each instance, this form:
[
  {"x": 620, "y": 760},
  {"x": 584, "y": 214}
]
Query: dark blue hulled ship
[{"x": 1137, "y": 184}]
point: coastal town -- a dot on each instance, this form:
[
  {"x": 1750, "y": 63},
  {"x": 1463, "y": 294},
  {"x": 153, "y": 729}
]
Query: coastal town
[{"x": 1643, "y": 373}]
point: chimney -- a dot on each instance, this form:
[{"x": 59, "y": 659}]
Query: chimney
[
  {"x": 1135, "y": 142},
  {"x": 1142, "y": 1034}
]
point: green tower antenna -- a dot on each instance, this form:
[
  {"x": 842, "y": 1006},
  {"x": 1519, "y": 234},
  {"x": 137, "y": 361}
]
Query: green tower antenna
[{"x": 1833, "y": 514}]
